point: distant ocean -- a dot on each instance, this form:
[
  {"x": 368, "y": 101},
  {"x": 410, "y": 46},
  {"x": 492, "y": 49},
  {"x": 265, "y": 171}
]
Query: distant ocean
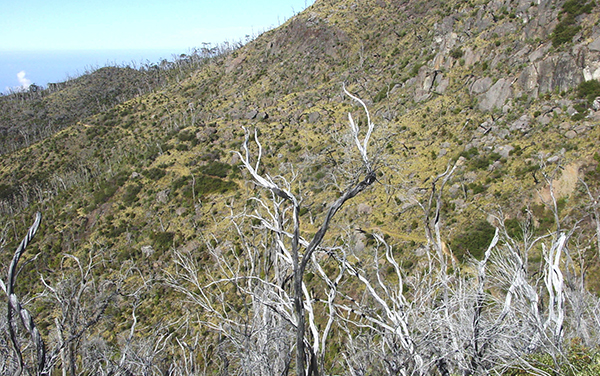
[{"x": 40, "y": 68}]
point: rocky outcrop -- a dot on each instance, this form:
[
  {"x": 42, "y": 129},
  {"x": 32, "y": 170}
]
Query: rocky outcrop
[{"x": 496, "y": 95}]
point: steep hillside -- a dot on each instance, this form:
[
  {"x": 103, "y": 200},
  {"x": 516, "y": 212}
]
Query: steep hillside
[
  {"x": 138, "y": 169},
  {"x": 479, "y": 80}
]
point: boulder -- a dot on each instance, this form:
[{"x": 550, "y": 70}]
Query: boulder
[
  {"x": 364, "y": 209},
  {"x": 571, "y": 134},
  {"x": 251, "y": 114},
  {"x": 163, "y": 196},
  {"x": 481, "y": 85},
  {"x": 595, "y": 45},
  {"x": 313, "y": 117},
  {"x": 496, "y": 95},
  {"x": 596, "y": 104},
  {"x": 504, "y": 150},
  {"x": 522, "y": 124}
]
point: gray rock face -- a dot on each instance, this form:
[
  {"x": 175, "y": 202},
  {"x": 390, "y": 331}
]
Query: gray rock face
[
  {"x": 504, "y": 150},
  {"x": 496, "y": 95},
  {"x": 440, "y": 84},
  {"x": 595, "y": 45},
  {"x": 471, "y": 57},
  {"x": 528, "y": 80},
  {"x": 481, "y": 85},
  {"x": 558, "y": 73},
  {"x": 539, "y": 53}
]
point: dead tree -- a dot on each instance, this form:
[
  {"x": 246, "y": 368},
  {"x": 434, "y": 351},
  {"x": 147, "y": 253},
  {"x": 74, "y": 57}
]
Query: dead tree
[
  {"x": 278, "y": 292},
  {"x": 15, "y": 306},
  {"x": 302, "y": 252},
  {"x": 79, "y": 300}
]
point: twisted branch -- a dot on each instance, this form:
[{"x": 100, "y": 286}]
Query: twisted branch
[{"x": 14, "y": 304}]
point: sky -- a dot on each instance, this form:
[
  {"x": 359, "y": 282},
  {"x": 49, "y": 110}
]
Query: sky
[{"x": 43, "y": 35}]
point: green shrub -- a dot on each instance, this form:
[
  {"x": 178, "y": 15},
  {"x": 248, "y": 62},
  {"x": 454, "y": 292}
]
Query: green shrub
[
  {"x": 580, "y": 361},
  {"x": 216, "y": 168},
  {"x": 6, "y": 191},
  {"x": 468, "y": 154},
  {"x": 162, "y": 241},
  {"x": 513, "y": 228},
  {"x": 456, "y": 53},
  {"x": 154, "y": 173},
  {"x": 186, "y": 136},
  {"x": 484, "y": 161},
  {"x": 477, "y": 188},
  {"x": 382, "y": 94},
  {"x": 567, "y": 27},
  {"x": 565, "y": 31},
  {"x": 131, "y": 192},
  {"x": 473, "y": 241},
  {"x": 578, "y": 7},
  {"x": 107, "y": 188},
  {"x": 589, "y": 90},
  {"x": 205, "y": 185}
]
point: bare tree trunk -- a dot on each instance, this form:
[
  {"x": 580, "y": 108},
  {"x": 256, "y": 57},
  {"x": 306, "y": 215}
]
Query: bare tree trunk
[{"x": 14, "y": 304}]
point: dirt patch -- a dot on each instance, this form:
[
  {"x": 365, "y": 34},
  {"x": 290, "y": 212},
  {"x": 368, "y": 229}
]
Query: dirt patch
[{"x": 564, "y": 185}]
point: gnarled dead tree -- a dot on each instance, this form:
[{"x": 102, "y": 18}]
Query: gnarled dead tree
[
  {"x": 278, "y": 291},
  {"x": 15, "y": 307}
]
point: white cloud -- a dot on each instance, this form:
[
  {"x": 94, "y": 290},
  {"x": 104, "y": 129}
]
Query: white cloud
[{"x": 24, "y": 81}]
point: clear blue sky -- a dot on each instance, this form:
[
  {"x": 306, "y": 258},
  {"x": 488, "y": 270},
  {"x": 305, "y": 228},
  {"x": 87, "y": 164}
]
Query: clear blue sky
[
  {"x": 134, "y": 24},
  {"x": 108, "y": 25}
]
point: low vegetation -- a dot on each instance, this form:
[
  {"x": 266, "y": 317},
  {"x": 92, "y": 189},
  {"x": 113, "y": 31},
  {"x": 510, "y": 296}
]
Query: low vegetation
[{"x": 166, "y": 248}]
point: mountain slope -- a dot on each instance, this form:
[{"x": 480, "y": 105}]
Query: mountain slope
[
  {"x": 497, "y": 87},
  {"x": 440, "y": 79}
]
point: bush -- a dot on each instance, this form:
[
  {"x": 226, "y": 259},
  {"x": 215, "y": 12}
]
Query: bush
[
  {"x": 565, "y": 31},
  {"x": 473, "y": 241},
  {"x": 589, "y": 90},
  {"x": 205, "y": 185},
  {"x": 162, "y": 241},
  {"x": 484, "y": 161},
  {"x": 567, "y": 27},
  {"x": 580, "y": 360},
  {"x": 6, "y": 191},
  {"x": 477, "y": 188},
  {"x": 130, "y": 195},
  {"x": 186, "y": 136},
  {"x": 513, "y": 228},
  {"x": 456, "y": 53},
  {"x": 216, "y": 168},
  {"x": 154, "y": 173},
  {"x": 107, "y": 188},
  {"x": 468, "y": 154}
]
